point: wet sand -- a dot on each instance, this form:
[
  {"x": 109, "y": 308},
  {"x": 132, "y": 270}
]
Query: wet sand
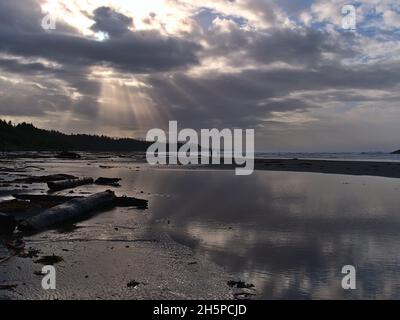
[
  {"x": 363, "y": 168},
  {"x": 115, "y": 254},
  {"x": 127, "y": 253}
]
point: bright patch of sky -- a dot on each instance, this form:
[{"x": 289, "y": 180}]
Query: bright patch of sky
[{"x": 207, "y": 16}]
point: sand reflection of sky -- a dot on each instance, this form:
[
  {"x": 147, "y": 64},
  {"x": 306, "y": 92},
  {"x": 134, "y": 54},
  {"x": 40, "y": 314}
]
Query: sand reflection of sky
[{"x": 288, "y": 233}]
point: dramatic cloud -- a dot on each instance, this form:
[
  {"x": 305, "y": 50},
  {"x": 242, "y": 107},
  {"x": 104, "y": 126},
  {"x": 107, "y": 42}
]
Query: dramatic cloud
[
  {"x": 111, "y": 22},
  {"x": 286, "y": 68}
]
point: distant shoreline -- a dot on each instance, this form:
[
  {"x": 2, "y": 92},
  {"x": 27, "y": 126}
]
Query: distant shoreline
[
  {"x": 383, "y": 169},
  {"x": 376, "y": 168},
  {"x": 346, "y": 167}
]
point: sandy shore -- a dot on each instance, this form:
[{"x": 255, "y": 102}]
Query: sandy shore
[
  {"x": 113, "y": 255},
  {"x": 116, "y": 254},
  {"x": 364, "y": 168}
]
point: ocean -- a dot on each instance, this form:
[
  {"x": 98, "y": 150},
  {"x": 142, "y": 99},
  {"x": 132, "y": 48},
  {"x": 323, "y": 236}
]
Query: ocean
[{"x": 359, "y": 156}]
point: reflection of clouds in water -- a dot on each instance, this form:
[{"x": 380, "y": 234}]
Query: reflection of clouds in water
[{"x": 291, "y": 233}]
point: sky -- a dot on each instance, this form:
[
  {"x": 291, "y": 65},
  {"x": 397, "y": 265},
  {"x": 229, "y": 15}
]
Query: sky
[{"x": 287, "y": 69}]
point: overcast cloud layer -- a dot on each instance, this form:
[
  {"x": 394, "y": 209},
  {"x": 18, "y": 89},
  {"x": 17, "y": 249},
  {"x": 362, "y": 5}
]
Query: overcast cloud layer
[{"x": 286, "y": 68}]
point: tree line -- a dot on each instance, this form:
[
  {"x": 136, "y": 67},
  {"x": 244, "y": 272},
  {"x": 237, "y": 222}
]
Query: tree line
[{"x": 26, "y": 137}]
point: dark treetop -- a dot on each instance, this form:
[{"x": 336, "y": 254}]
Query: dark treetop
[{"x": 27, "y": 137}]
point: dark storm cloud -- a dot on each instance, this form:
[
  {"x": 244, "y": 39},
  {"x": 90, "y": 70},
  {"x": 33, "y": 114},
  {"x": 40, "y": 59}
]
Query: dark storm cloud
[
  {"x": 256, "y": 72},
  {"x": 111, "y": 22},
  {"x": 303, "y": 46},
  {"x": 146, "y": 51},
  {"x": 16, "y": 66},
  {"x": 25, "y": 43},
  {"x": 20, "y": 15},
  {"x": 32, "y": 98},
  {"x": 384, "y": 76},
  {"x": 222, "y": 101},
  {"x": 247, "y": 98},
  {"x": 40, "y": 94},
  {"x": 135, "y": 52}
]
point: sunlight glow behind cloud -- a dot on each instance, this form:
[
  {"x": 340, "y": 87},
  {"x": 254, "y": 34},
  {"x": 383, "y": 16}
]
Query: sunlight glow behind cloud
[{"x": 286, "y": 68}]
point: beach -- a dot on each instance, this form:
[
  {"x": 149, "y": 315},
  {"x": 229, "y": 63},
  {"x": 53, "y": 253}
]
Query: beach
[
  {"x": 283, "y": 232},
  {"x": 115, "y": 254},
  {"x": 359, "y": 168}
]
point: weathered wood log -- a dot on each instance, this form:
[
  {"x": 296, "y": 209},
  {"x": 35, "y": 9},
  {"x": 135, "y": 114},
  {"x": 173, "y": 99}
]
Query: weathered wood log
[
  {"x": 51, "y": 201},
  {"x": 44, "y": 198},
  {"x": 68, "y": 155},
  {"x": 114, "y": 182},
  {"x": 72, "y": 209},
  {"x": 131, "y": 202},
  {"x": 15, "y": 205},
  {"x": 67, "y": 184},
  {"x": 7, "y": 224},
  {"x": 48, "y": 178}
]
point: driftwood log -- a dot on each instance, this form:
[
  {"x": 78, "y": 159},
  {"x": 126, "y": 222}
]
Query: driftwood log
[
  {"x": 48, "y": 178},
  {"x": 131, "y": 202},
  {"x": 67, "y": 184},
  {"x": 67, "y": 211},
  {"x": 114, "y": 182},
  {"x": 68, "y": 155},
  {"x": 7, "y": 224},
  {"x": 52, "y": 201}
]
